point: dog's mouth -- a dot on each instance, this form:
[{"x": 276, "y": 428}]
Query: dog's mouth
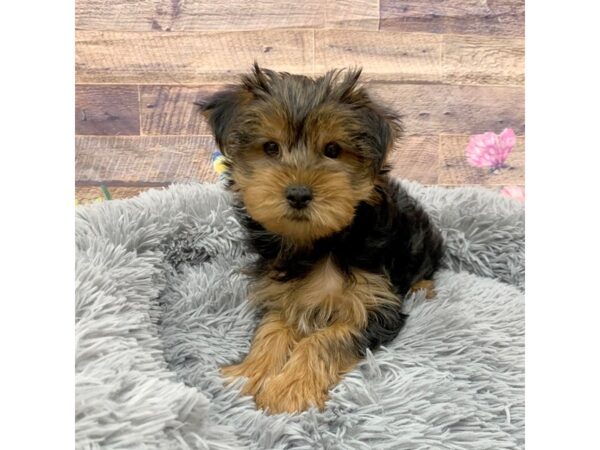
[{"x": 296, "y": 216}]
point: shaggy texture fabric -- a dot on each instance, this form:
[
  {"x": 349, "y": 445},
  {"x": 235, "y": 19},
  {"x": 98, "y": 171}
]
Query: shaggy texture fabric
[{"x": 160, "y": 306}]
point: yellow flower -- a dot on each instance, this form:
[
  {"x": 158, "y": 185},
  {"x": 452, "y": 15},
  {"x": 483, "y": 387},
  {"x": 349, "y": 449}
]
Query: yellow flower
[{"x": 219, "y": 165}]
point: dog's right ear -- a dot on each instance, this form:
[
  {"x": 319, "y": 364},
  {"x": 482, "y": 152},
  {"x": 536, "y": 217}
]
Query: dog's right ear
[{"x": 220, "y": 110}]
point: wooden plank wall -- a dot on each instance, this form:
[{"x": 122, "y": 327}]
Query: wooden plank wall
[{"x": 451, "y": 68}]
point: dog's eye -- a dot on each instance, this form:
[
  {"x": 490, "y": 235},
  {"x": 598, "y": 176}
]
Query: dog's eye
[
  {"x": 332, "y": 150},
  {"x": 271, "y": 148}
]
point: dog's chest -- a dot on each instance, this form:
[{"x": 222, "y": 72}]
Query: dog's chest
[{"x": 324, "y": 296}]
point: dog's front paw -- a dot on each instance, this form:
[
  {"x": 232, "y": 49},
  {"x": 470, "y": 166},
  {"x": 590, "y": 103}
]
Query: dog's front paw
[
  {"x": 254, "y": 374},
  {"x": 234, "y": 371},
  {"x": 285, "y": 394}
]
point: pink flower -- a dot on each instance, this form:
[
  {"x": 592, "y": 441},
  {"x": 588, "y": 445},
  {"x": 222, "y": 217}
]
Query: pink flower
[
  {"x": 490, "y": 150},
  {"x": 516, "y": 192}
]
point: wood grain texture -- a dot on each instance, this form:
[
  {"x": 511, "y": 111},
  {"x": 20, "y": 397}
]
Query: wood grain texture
[
  {"x": 143, "y": 160},
  {"x": 435, "y": 109},
  {"x": 455, "y": 170},
  {"x": 92, "y": 194},
  {"x": 197, "y": 15},
  {"x": 451, "y": 68},
  {"x": 416, "y": 158},
  {"x": 192, "y": 58},
  {"x": 426, "y": 109},
  {"x": 171, "y": 109},
  {"x": 107, "y": 110},
  {"x": 390, "y": 56},
  {"x": 115, "y": 15},
  {"x": 491, "y": 17},
  {"x": 352, "y": 14},
  {"x": 483, "y": 60}
]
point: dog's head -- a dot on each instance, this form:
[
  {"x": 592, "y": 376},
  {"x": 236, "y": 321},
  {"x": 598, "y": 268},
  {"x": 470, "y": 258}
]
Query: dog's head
[{"x": 302, "y": 152}]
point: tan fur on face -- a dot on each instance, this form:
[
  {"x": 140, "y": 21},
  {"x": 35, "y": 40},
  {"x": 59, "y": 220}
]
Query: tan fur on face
[
  {"x": 336, "y": 196},
  {"x": 339, "y": 184}
]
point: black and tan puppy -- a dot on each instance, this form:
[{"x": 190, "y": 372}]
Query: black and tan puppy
[{"x": 338, "y": 242}]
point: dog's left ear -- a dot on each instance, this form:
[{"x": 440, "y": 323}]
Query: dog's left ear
[
  {"x": 380, "y": 127},
  {"x": 385, "y": 128}
]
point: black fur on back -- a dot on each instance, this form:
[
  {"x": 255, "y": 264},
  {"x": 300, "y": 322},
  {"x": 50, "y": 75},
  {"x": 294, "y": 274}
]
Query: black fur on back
[{"x": 394, "y": 237}]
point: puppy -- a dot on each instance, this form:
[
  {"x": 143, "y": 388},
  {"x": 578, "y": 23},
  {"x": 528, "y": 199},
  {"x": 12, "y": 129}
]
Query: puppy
[{"x": 338, "y": 242}]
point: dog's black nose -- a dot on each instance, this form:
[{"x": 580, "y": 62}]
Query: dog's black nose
[{"x": 298, "y": 196}]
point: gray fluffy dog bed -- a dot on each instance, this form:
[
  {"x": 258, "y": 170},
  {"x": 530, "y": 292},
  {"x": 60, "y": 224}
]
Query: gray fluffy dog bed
[{"x": 160, "y": 306}]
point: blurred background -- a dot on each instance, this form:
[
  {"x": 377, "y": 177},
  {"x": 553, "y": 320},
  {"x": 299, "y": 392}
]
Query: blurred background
[{"x": 451, "y": 68}]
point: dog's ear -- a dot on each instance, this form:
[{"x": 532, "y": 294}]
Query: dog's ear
[
  {"x": 385, "y": 128},
  {"x": 223, "y": 107},
  {"x": 380, "y": 127},
  {"x": 220, "y": 110}
]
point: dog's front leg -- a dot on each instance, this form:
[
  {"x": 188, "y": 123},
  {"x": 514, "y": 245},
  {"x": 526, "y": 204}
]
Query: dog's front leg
[
  {"x": 271, "y": 348},
  {"x": 317, "y": 362}
]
